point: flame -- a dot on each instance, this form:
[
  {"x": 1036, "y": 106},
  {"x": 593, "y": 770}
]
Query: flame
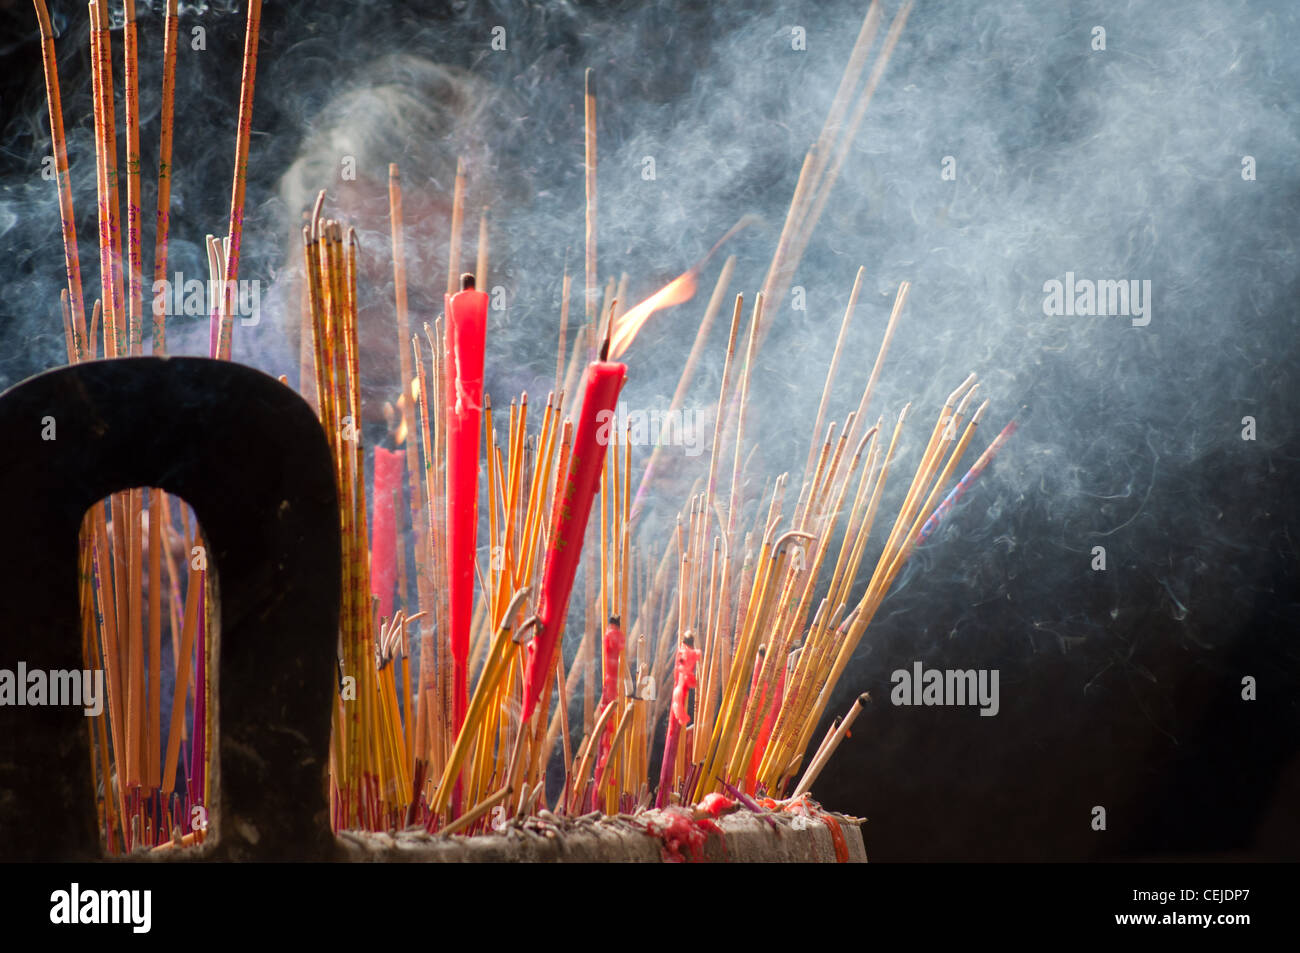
[
  {"x": 405, "y": 404},
  {"x": 678, "y": 291}
]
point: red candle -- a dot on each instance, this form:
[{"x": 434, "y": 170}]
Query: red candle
[
  {"x": 383, "y": 537},
  {"x": 611, "y": 664},
  {"x": 466, "y": 335},
  {"x": 688, "y": 656},
  {"x": 684, "y": 679},
  {"x": 611, "y": 660},
  {"x": 601, "y": 386}
]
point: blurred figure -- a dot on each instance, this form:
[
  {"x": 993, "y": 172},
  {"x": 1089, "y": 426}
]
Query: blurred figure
[{"x": 422, "y": 116}]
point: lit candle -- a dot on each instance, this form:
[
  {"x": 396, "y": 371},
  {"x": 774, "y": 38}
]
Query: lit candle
[
  {"x": 466, "y": 335},
  {"x": 601, "y": 386}
]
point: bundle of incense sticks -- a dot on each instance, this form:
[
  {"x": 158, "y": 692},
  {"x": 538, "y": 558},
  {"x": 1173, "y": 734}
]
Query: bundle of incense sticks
[
  {"x": 718, "y": 643},
  {"x": 143, "y": 563}
]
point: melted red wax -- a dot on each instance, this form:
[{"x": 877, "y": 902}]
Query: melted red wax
[
  {"x": 680, "y": 831},
  {"x": 683, "y": 681},
  {"x": 716, "y": 804},
  {"x": 809, "y": 808},
  {"x": 837, "y": 837}
]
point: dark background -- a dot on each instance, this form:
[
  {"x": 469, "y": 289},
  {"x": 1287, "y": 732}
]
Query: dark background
[{"x": 1119, "y": 688}]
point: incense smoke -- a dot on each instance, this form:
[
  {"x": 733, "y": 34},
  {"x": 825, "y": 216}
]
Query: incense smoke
[{"x": 1001, "y": 151}]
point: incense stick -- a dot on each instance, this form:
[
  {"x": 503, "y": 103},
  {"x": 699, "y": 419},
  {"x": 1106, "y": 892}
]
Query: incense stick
[
  {"x": 162, "y": 218},
  {"x": 67, "y": 215},
  {"x": 247, "y": 81},
  {"x": 589, "y": 166}
]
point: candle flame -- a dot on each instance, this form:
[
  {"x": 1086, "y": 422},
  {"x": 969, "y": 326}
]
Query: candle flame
[
  {"x": 405, "y": 406},
  {"x": 678, "y": 291}
]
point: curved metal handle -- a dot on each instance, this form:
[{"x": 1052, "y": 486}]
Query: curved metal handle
[{"x": 249, "y": 455}]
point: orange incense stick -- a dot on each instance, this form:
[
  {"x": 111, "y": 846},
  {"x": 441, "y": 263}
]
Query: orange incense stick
[
  {"x": 163, "y": 217},
  {"x": 131, "y": 99},
  {"x": 67, "y": 216},
  {"x": 243, "y": 133}
]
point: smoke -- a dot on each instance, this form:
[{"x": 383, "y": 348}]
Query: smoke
[{"x": 1002, "y": 151}]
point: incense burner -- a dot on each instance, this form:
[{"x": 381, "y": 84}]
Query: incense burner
[{"x": 249, "y": 456}]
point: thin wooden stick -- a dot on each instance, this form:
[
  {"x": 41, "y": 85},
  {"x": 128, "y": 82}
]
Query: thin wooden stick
[
  {"x": 481, "y": 266},
  {"x": 833, "y": 125},
  {"x": 73, "y": 350},
  {"x": 162, "y": 218},
  {"x": 820, "y": 422},
  {"x": 493, "y": 669},
  {"x": 687, "y": 377},
  {"x": 565, "y": 294},
  {"x": 783, "y": 262},
  {"x": 625, "y": 530},
  {"x": 828, "y": 748},
  {"x": 131, "y": 99},
  {"x": 67, "y": 215},
  {"x": 826, "y": 184},
  {"x": 589, "y": 748},
  {"x": 418, "y": 507},
  {"x": 755, "y": 323},
  {"x": 457, "y": 222},
  {"x": 589, "y": 166},
  {"x": 155, "y": 634},
  {"x": 92, "y": 336},
  {"x": 110, "y": 241},
  {"x": 194, "y": 593},
  {"x": 244, "y": 132},
  {"x": 478, "y": 811},
  {"x": 900, "y": 299}
]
